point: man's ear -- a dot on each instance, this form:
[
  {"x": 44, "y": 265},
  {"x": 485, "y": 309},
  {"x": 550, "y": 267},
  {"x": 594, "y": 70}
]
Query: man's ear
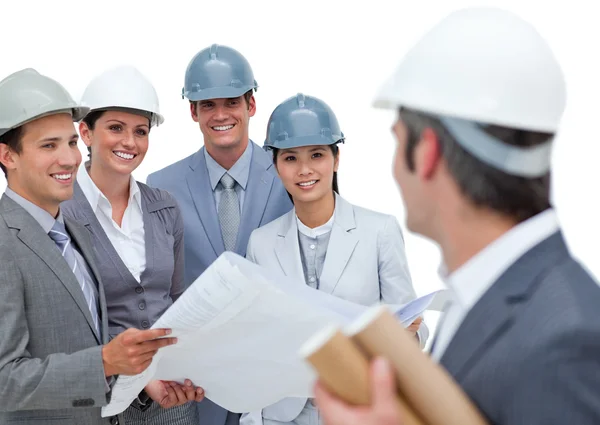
[
  {"x": 8, "y": 157},
  {"x": 251, "y": 106},
  {"x": 429, "y": 153},
  {"x": 194, "y": 111}
]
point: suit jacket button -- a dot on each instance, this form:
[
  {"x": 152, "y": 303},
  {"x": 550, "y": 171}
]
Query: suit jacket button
[
  {"x": 139, "y": 290},
  {"x": 142, "y": 306},
  {"x": 145, "y": 324}
]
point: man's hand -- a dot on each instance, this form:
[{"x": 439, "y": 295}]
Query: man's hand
[
  {"x": 170, "y": 394},
  {"x": 414, "y": 326},
  {"x": 131, "y": 352},
  {"x": 384, "y": 408}
]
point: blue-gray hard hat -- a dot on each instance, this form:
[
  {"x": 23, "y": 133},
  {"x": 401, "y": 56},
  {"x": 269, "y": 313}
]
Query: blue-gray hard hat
[
  {"x": 218, "y": 72},
  {"x": 302, "y": 121}
]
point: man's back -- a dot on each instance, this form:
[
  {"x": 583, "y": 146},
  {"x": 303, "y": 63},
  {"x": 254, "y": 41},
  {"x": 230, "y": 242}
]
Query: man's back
[
  {"x": 529, "y": 350},
  {"x": 46, "y": 341}
]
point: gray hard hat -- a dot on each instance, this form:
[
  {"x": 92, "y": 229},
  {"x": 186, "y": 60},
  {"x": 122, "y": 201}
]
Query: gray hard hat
[
  {"x": 27, "y": 95},
  {"x": 218, "y": 72},
  {"x": 302, "y": 121}
]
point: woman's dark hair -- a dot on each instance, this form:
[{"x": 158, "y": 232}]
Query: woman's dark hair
[
  {"x": 334, "y": 149},
  {"x": 90, "y": 120}
]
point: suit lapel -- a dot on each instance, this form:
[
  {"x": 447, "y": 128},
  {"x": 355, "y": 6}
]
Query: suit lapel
[
  {"x": 83, "y": 243},
  {"x": 198, "y": 183},
  {"x": 495, "y": 312},
  {"x": 148, "y": 236},
  {"x": 85, "y": 216},
  {"x": 287, "y": 248},
  {"x": 256, "y": 197},
  {"x": 342, "y": 243},
  {"x": 33, "y": 236}
]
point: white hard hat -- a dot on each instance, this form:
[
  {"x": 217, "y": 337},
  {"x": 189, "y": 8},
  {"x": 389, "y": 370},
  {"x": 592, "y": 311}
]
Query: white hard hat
[
  {"x": 123, "y": 87},
  {"x": 26, "y": 95},
  {"x": 485, "y": 65}
]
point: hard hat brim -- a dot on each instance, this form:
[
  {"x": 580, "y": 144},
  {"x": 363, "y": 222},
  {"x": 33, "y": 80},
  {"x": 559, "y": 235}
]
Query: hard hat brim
[
  {"x": 156, "y": 119},
  {"x": 296, "y": 142},
  {"x": 217, "y": 93},
  {"x": 77, "y": 113}
]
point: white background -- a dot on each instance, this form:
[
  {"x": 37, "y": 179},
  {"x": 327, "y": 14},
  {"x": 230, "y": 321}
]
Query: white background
[{"x": 333, "y": 50}]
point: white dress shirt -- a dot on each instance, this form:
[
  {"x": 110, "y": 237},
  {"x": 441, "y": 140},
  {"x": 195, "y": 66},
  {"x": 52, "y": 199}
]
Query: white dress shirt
[
  {"x": 469, "y": 282},
  {"x": 128, "y": 239},
  {"x": 317, "y": 231}
]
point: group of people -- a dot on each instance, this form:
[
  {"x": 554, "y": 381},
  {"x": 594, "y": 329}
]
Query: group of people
[{"x": 90, "y": 258}]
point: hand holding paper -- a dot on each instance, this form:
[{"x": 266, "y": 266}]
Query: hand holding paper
[{"x": 238, "y": 327}]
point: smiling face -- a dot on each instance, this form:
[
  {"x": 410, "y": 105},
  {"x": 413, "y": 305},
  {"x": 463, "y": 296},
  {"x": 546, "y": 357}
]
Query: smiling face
[
  {"x": 43, "y": 169},
  {"x": 224, "y": 122},
  {"x": 118, "y": 141},
  {"x": 307, "y": 172}
]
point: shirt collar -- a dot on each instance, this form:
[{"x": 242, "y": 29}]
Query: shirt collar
[
  {"x": 43, "y": 217},
  {"x": 240, "y": 170},
  {"x": 317, "y": 231},
  {"x": 93, "y": 194},
  {"x": 470, "y": 281}
]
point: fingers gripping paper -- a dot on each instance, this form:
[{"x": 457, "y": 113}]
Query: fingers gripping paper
[{"x": 239, "y": 329}]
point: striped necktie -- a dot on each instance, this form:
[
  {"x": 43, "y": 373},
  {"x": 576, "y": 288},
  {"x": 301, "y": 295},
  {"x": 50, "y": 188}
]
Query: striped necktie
[{"x": 59, "y": 235}]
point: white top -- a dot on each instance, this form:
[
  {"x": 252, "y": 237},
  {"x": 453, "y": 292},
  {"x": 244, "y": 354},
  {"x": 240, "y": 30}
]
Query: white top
[
  {"x": 128, "y": 240},
  {"x": 317, "y": 231},
  {"x": 468, "y": 283}
]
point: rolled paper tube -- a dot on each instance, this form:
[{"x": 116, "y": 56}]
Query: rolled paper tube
[
  {"x": 344, "y": 370},
  {"x": 425, "y": 385}
]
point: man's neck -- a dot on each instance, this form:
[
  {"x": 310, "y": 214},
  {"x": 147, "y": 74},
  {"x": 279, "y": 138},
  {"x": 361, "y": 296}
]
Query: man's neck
[
  {"x": 115, "y": 187},
  {"x": 465, "y": 234},
  {"x": 51, "y": 208},
  {"x": 317, "y": 213},
  {"x": 227, "y": 157}
]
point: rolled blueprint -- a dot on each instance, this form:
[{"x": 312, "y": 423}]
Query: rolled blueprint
[
  {"x": 344, "y": 369},
  {"x": 426, "y": 386}
]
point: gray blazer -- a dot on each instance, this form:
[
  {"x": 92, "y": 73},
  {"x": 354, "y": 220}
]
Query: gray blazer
[
  {"x": 529, "y": 351},
  {"x": 50, "y": 357},
  {"x": 365, "y": 263},
  {"x": 131, "y": 304}
]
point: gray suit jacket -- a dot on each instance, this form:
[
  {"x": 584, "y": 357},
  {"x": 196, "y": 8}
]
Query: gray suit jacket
[
  {"x": 50, "y": 356},
  {"x": 529, "y": 351},
  {"x": 188, "y": 181},
  {"x": 133, "y": 304},
  {"x": 365, "y": 263}
]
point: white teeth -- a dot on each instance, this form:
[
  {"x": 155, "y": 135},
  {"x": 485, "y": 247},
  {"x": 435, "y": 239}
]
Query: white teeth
[
  {"x": 223, "y": 127},
  {"x": 124, "y": 155},
  {"x": 310, "y": 183},
  {"x": 62, "y": 176}
]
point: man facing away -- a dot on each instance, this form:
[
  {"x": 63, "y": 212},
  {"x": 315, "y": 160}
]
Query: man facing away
[{"x": 480, "y": 98}]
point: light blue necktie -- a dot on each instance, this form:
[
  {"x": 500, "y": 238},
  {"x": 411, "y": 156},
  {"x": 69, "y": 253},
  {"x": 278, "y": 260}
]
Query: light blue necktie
[
  {"x": 59, "y": 235},
  {"x": 229, "y": 212}
]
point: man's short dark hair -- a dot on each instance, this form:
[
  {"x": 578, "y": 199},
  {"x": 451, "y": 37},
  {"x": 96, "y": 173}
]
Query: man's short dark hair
[{"x": 517, "y": 197}]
